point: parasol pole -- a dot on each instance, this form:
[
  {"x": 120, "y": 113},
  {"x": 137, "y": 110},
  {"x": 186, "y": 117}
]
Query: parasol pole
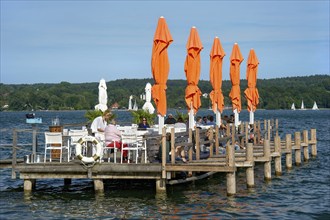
[{"x": 191, "y": 118}]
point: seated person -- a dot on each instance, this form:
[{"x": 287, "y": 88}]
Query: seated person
[
  {"x": 170, "y": 119},
  {"x": 113, "y": 137},
  {"x": 199, "y": 121},
  {"x": 180, "y": 124},
  {"x": 144, "y": 124},
  {"x": 210, "y": 120},
  {"x": 99, "y": 124}
]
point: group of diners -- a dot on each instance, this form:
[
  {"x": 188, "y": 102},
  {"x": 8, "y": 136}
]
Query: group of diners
[{"x": 109, "y": 133}]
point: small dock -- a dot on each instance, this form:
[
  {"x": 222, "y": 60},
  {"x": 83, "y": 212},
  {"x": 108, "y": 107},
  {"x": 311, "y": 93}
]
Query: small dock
[{"x": 265, "y": 147}]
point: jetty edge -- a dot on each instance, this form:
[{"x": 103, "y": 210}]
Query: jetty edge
[{"x": 266, "y": 147}]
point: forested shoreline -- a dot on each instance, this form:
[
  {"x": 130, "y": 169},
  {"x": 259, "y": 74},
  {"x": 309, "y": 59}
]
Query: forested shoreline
[{"x": 277, "y": 93}]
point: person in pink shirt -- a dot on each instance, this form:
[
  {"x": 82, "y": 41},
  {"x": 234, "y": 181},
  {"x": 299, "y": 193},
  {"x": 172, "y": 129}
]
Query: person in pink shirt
[{"x": 113, "y": 137}]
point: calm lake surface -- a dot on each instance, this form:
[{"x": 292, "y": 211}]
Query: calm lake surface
[{"x": 301, "y": 193}]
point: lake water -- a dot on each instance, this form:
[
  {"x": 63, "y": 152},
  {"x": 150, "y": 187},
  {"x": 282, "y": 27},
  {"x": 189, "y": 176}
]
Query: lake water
[{"x": 301, "y": 193}]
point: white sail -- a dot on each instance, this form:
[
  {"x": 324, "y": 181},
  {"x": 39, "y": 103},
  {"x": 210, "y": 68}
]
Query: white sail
[
  {"x": 293, "y": 107},
  {"x": 315, "y": 106},
  {"x": 302, "y": 105}
]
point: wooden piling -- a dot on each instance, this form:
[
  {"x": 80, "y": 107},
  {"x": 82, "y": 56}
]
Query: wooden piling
[
  {"x": 288, "y": 155},
  {"x": 98, "y": 185},
  {"x": 14, "y": 161},
  {"x": 29, "y": 184},
  {"x": 305, "y": 145},
  {"x": 216, "y": 138},
  {"x": 198, "y": 145},
  {"x": 267, "y": 165},
  {"x": 160, "y": 186},
  {"x": 313, "y": 142},
  {"x": 249, "y": 170},
  {"x": 163, "y": 153},
  {"x": 231, "y": 176},
  {"x": 297, "y": 149},
  {"x": 278, "y": 159}
]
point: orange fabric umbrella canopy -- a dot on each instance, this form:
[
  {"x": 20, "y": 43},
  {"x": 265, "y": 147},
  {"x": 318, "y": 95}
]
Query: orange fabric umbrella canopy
[
  {"x": 160, "y": 65},
  {"x": 192, "y": 70},
  {"x": 235, "y": 94},
  {"x": 216, "y": 55},
  {"x": 251, "y": 93}
]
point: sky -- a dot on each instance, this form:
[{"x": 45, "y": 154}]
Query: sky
[{"x": 85, "y": 41}]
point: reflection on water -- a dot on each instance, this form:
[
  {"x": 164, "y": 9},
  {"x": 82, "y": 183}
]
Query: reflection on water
[{"x": 302, "y": 192}]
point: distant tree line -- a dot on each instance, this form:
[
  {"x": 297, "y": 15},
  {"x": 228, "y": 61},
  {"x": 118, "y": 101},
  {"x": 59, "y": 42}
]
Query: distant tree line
[{"x": 277, "y": 93}]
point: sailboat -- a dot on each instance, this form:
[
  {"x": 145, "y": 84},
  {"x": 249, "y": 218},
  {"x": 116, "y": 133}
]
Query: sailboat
[
  {"x": 302, "y": 105},
  {"x": 315, "y": 106},
  {"x": 293, "y": 107}
]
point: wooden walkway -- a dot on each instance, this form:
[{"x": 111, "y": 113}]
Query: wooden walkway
[{"x": 266, "y": 147}]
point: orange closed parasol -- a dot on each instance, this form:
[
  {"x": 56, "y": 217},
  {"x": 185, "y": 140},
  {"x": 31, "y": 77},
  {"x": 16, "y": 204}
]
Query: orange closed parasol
[
  {"x": 160, "y": 65},
  {"x": 192, "y": 70},
  {"x": 235, "y": 94},
  {"x": 251, "y": 93},
  {"x": 216, "y": 55}
]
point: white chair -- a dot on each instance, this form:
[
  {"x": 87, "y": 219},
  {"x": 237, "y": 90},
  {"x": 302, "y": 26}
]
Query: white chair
[
  {"x": 54, "y": 141},
  {"x": 109, "y": 148},
  {"x": 129, "y": 138},
  {"x": 75, "y": 136}
]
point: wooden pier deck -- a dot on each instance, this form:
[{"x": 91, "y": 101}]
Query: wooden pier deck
[{"x": 266, "y": 147}]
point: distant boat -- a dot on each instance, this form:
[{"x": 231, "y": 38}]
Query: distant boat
[
  {"x": 315, "y": 106},
  {"x": 302, "y": 105},
  {"x": 293, "y": 107}
]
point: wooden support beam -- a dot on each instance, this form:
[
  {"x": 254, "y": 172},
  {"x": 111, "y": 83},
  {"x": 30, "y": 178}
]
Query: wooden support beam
[
  {"x": 297, "y": 150},
  {"x": 313, "y": 142}
]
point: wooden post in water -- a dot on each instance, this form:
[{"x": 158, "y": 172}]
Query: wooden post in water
[
  {"x": 258, "y": 132},
  {"x": 191, "y": 148},
  {"x": 276, "y": 127},
  {"x": 172, "y": 146},
  {"x": 160, "y": 183},
  {"x": 211, "y": 137},
  {"x": 198, "y": 145},
  {"x": 14, "y": 160},
  {"x": 313, "y": 142},
  {"x": 246, "y": 134},
  {"x": 288, "y": 147},
  {"x": 28, "y": 185},
  {"x": 297, "y": 150},
  {"x": 305, "y": 147},
  {"x": 216, "y": 140},
  {"x": 269, "y": 129},
  {"x": 249, "y": 170},
  {"x": 231, "y": 176},
  {"x": 163, "y": 153},
  {"x": 278, "y": 164},
  {"x": 98, "y": 185},
  {"x": 267, "y": 165}
]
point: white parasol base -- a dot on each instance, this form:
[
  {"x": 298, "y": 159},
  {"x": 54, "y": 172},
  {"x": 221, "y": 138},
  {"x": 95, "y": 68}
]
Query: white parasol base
[
  {"x": 251, "y": 117},
  {"x": 218, "y": 116},
  {"x": 191, "y": 118},
  {"x": 237, "y": 122},
  {"x": 160, "y": 124}
]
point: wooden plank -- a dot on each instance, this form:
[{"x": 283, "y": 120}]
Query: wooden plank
[{"x": 200, "y": 168}]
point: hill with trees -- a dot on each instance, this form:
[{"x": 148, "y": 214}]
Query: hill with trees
[{"x": 277, "y": 93}]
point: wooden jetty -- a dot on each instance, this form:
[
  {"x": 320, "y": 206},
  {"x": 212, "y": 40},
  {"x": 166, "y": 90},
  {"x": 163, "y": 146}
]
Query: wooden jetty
[{"x": 265, "y": 147}]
